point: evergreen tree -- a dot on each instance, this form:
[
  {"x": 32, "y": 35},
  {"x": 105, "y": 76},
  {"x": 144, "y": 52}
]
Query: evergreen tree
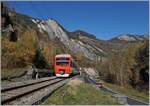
[{"x": 39, "y": 60}]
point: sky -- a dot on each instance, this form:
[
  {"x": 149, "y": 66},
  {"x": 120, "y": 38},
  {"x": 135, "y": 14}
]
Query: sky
[{"x": 105, "y": 20}]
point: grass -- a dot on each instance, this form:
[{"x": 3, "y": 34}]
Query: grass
[
  {"x": 83, "y": 94},
  {"x": 128, "y": 91},
  {"x": 10, "y": 73}
]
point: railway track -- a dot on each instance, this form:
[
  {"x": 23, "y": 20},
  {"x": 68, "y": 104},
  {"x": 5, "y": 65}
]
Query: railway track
[
  {"x": 129, "y": 100},
  {"x": 30, "y": 92}
]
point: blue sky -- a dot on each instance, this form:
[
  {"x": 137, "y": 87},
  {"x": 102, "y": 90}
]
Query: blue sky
[{"x": 103, "y": 19}]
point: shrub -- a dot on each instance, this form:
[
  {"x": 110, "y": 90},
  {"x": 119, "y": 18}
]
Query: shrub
[{"x": 39, "y": 60}]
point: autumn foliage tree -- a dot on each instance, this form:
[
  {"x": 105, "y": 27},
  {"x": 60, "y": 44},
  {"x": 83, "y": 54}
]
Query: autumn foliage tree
[
  {"x": 142, "y": 61},
  {"x": 17, "y": 54}
]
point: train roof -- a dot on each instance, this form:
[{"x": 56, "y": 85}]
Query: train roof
[{"x": 63, "y": 55}]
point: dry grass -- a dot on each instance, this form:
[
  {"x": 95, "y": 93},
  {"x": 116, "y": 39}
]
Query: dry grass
[
  {"x": 128, "y": 91},
  {"x": 78, "y": 93}
]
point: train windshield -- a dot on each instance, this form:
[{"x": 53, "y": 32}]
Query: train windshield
[
  {"x": 62, "y": 58},
  {"x": 62, "y": 63}
]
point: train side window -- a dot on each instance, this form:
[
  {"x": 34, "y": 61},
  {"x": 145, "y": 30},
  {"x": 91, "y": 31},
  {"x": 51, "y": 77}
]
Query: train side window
[{"x": 71, "y": 64}]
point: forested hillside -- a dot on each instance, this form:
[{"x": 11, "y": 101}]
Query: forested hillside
[{"x": 128, "y": 67}]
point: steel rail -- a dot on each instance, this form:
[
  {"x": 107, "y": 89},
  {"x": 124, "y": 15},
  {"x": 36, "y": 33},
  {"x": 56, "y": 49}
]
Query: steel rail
[
  {"x": 11, "y": 95},
  {"x": 23, "y": 84},
  {"x": 19, "y": 91}
]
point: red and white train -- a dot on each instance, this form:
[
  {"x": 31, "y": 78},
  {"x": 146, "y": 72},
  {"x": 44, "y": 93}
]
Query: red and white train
[{"x": 65, "y": 65}]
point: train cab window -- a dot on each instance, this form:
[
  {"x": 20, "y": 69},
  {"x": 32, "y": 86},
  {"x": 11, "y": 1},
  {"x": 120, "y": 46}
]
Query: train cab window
[
  {"x": 62, "y": 58},
  {"x": 62, "y": 63}
]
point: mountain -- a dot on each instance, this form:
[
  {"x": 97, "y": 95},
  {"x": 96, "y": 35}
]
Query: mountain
[
  {"x": 128, "y": 38},
  {"x": 80, "y": 33},
  {"x": 76, "y": 42}
]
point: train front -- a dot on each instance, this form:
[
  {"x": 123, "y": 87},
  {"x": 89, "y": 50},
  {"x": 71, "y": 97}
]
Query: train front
[{"x": 62, "y": 65}]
